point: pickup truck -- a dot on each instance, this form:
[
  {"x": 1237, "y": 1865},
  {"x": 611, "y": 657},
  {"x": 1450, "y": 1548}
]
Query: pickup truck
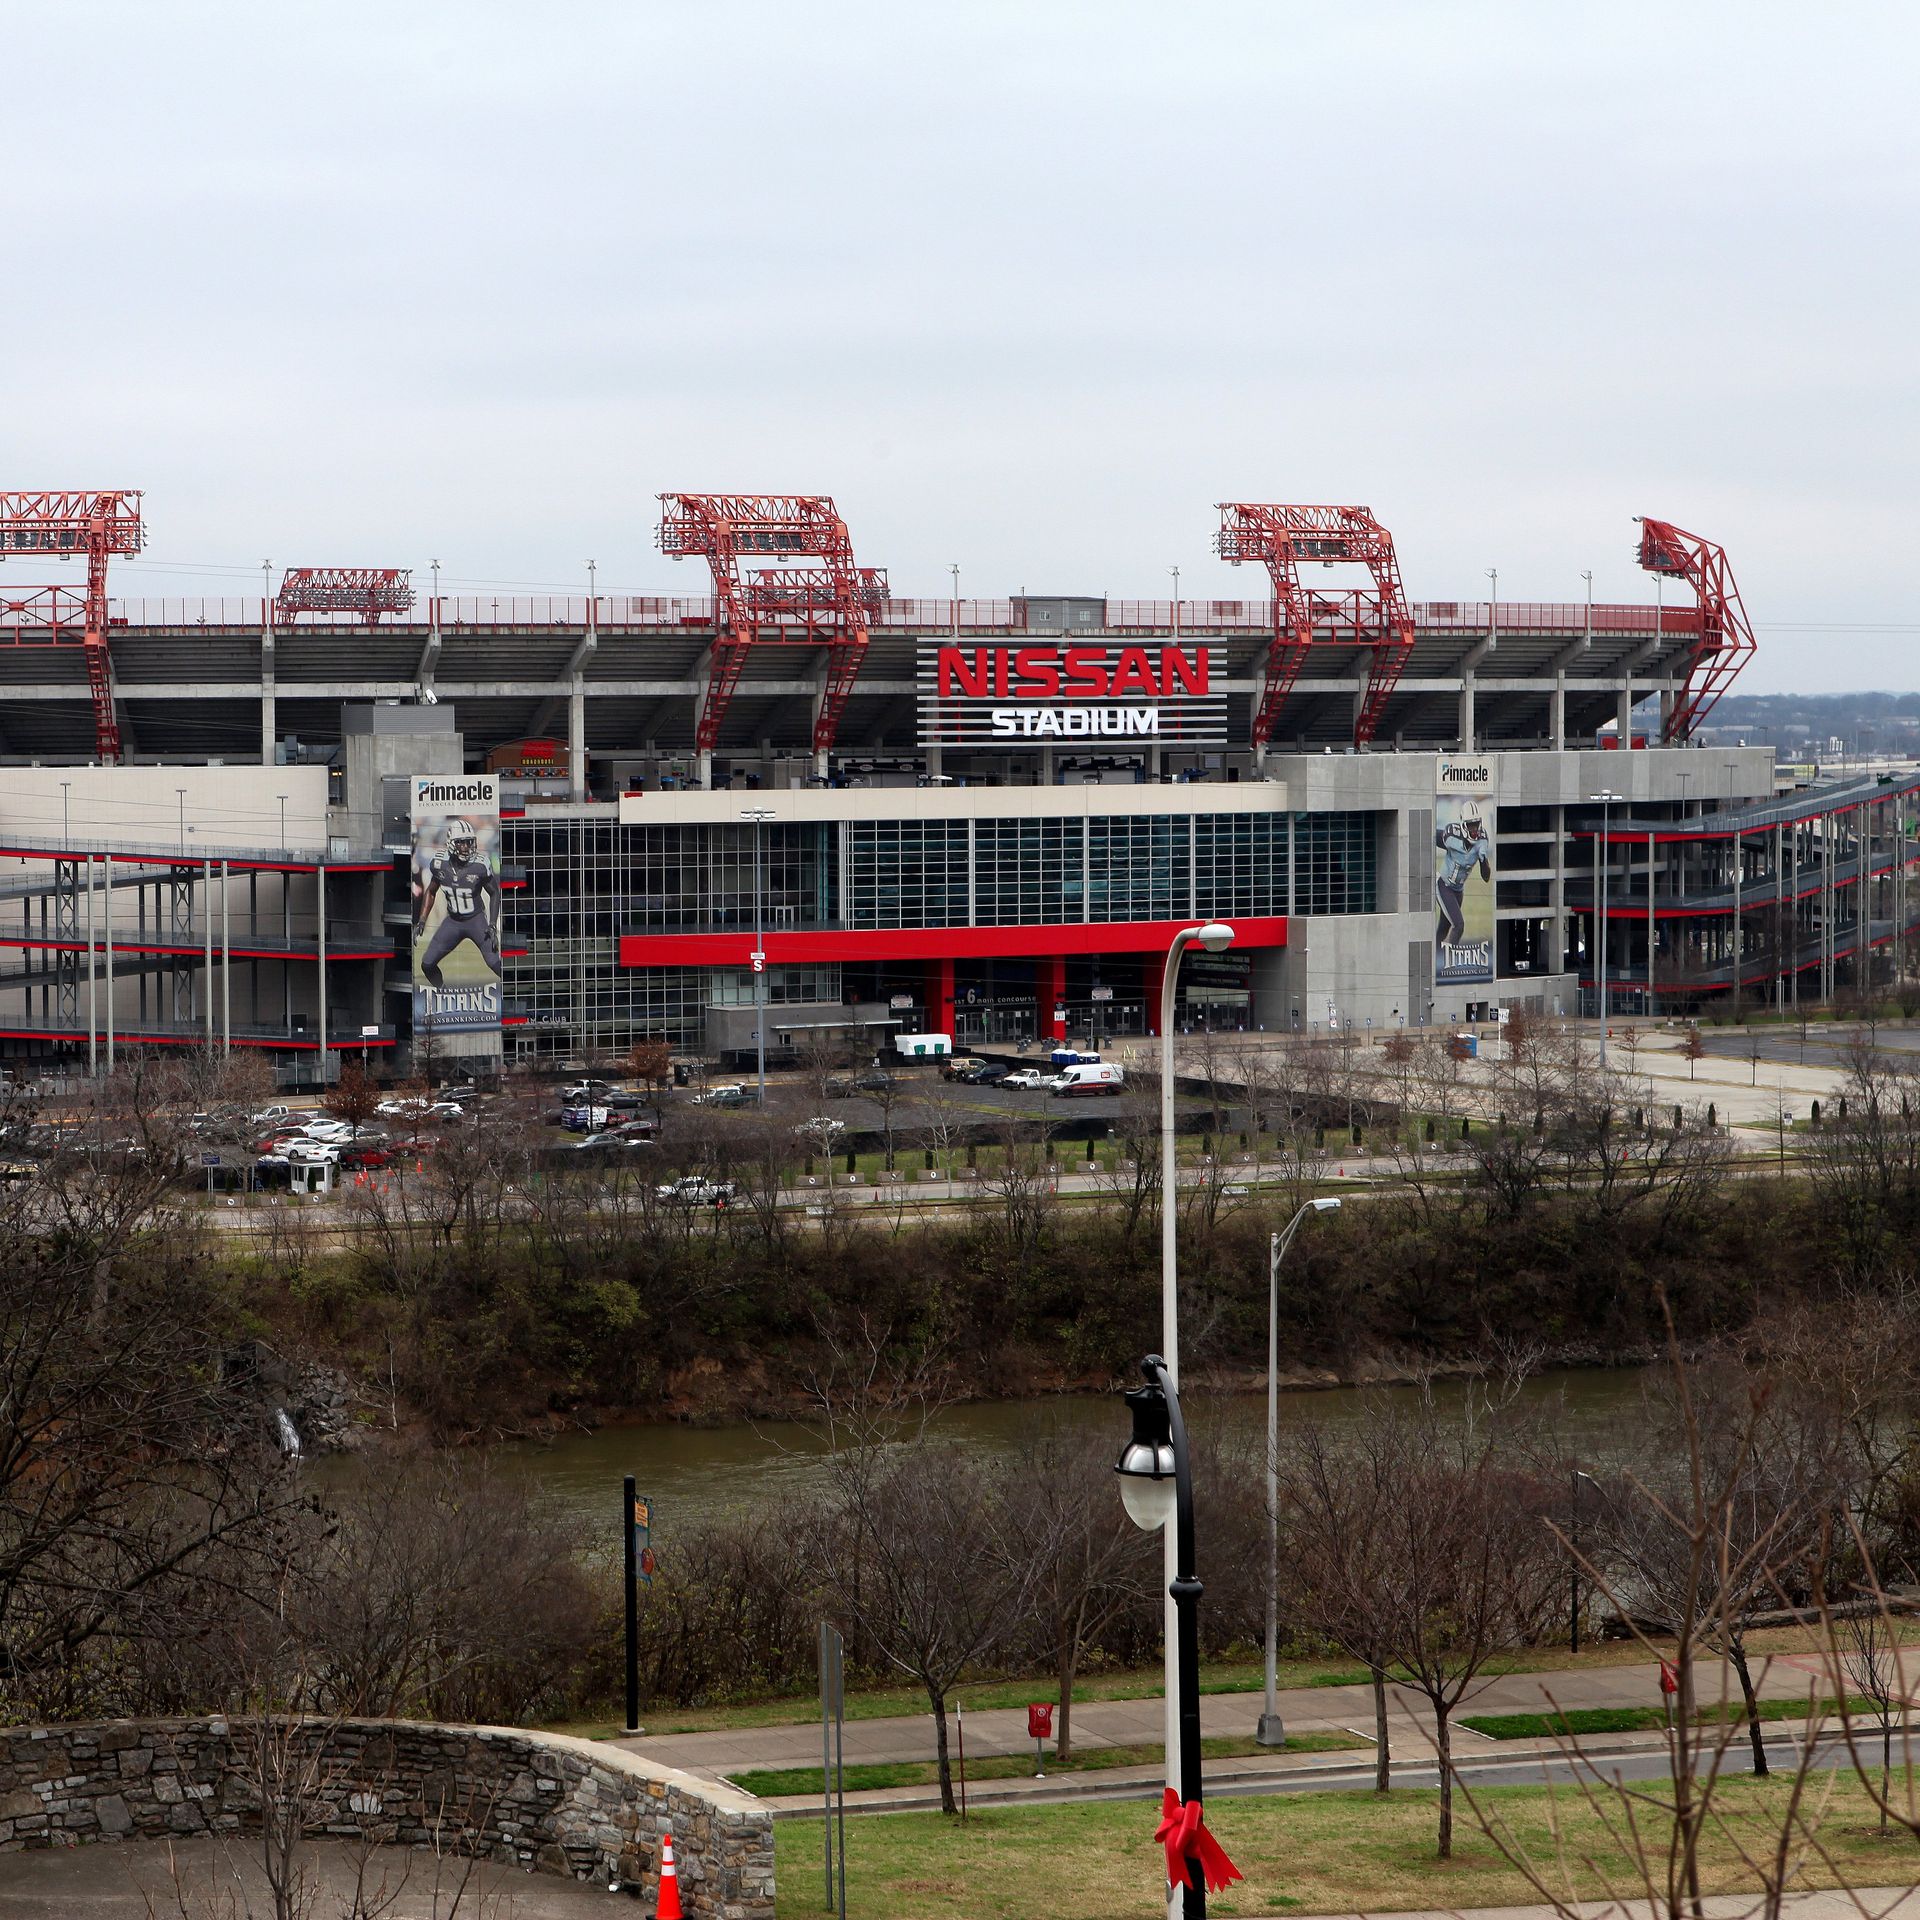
[
  {"x": 1026, "y": 1078},
  {"x": 694, "y": 1191}
]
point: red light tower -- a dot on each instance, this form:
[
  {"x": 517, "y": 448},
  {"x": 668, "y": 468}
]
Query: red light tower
[
  {"x": 832, "y": 605},
  {"x": 367, "y": 592},
  {"x": 1285, "y": 538},
  {"x": 85, "y": 524},
  {"x": 1725, "y": 638}
]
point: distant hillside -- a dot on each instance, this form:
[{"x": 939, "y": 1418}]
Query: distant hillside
[{"x": 1865, "y": 722}]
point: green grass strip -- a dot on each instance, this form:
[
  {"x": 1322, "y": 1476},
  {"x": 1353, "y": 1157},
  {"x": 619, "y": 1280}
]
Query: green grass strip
[
  {"x": 1576, "y": 1720},
  {"x": 865, "y": 1776}
]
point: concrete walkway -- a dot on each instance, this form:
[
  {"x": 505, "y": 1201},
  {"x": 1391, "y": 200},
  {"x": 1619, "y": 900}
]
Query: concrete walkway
[
  {"x": 141, "y": 1878},
  {"x": 1108, "y": 1723}
]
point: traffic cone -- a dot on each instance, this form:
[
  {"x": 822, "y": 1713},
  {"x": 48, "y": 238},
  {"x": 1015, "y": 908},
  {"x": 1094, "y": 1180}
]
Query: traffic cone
[{"x": 669, "y": 1907}]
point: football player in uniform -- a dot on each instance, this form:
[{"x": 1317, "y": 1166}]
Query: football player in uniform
[
  {"x": 471, "y": 891},
  {"x": 1462, "y": 845}
]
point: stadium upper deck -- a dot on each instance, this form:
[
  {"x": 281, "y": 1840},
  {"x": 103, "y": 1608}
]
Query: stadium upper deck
[{"x": 626, "y": 675}]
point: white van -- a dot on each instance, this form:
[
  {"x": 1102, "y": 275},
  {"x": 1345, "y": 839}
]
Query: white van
[{"x": 1100, "y": 1077}]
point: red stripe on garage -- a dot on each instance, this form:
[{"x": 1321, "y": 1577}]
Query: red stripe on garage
[{"x": 929, "y": 943}]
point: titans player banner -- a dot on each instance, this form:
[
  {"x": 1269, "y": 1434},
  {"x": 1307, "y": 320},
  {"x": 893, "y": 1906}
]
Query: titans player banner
[
  {"x": 1463, "y": 863},
  {"x": 456, "y": 903}
]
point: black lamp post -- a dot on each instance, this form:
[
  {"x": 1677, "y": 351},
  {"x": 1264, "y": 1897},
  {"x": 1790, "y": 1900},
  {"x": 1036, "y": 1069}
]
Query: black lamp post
[{"x": 1156, "y": 1482}]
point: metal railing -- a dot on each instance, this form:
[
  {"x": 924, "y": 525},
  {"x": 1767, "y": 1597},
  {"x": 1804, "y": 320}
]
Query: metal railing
[{"x": 662, "y": 613}]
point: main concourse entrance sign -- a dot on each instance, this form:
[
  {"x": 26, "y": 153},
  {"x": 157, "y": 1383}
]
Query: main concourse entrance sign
[{"x": 1046, "y": 694}]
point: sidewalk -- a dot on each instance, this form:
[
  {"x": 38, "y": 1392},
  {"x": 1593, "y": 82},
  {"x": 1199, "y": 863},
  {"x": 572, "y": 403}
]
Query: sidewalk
[
  {"x": 1108, "y": 1723},
  {"x": 1884, "y": 1903}
]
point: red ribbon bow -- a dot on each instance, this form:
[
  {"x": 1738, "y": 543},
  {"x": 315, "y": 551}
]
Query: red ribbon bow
[{"x": 1183, "y": 1832}]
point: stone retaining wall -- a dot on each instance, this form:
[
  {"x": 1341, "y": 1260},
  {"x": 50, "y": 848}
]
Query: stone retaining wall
[{"x": 545, "y": 1801}]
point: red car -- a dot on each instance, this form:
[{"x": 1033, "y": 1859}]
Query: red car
[{"x": 360, "y": 1159}]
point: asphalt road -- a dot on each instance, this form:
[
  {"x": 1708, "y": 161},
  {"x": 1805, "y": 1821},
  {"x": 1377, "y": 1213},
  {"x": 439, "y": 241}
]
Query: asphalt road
[{"x": 1826, "y": 1046}]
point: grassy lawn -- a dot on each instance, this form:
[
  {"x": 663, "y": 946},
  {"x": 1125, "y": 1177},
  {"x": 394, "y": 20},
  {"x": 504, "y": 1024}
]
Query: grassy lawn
[
  {"x": 1304, "y": 1853},
  {"x": 1537, "y": 1726},
  {"x": 770, "y": 1782}
]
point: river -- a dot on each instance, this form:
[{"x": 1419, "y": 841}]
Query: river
[{"x": 694, "y": 1474}]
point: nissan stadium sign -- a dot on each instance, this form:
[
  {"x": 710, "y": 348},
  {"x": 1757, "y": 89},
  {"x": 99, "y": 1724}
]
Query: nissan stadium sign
[{"x": 1045, "y": 694}]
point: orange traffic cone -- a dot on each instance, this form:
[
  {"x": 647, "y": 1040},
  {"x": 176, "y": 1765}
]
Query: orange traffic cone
[{"x": 669, "y": 1907}]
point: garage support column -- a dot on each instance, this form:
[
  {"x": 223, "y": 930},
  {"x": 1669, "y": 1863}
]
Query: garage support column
[
  {"x": 1050, "y": 992},
  {"x": 1466, "y": 713},
  {"x": 1153, "y": 979},
  {"x": 940, "y": 996}
]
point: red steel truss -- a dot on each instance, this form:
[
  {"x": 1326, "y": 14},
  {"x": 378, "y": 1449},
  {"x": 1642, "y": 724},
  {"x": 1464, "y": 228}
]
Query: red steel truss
[
  {"x": 1725, "y": 637},
  {"x": 832, "y": 605},
  {"x": 367, "y": 592},
  {"x": 1284, "y": 538},
  {"x": 83, "y": 524}
]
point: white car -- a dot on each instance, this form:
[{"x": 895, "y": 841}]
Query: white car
[
  {"x": 1026, "y": 1078},
  {"x": 822, "y": 1131},
  {"x": 335, "y": 1132},
  {"x": 403, "y": 1108},
  {"x": 270, "y": 1116},
  {"x": 310, "y": 1153}
]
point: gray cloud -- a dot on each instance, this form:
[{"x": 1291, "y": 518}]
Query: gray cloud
[{"x": 1026, "y": 287}]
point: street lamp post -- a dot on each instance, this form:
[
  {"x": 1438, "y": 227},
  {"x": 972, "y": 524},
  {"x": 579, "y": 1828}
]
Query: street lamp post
[
  {"x": 182, "y": 792},
  {"x": 66, "y": 830},
  {"x": 1271, "y": 1732},
  {"x": 1175, "y": 571},
  {"x": 1156, "y": 1483},
  {"x": 759, "y": 816},
  {"x": 1573, "y": 1608},
  {"x": 954, "y": 569},
  {"x": 1605, "y": 802},
  {"x": 1216, "y": 938}
]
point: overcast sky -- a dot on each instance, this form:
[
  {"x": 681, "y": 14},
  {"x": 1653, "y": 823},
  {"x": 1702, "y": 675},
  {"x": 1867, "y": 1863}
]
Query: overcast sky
[{"x": 1025, "y": 287}]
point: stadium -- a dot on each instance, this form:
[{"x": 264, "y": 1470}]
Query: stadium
[{"x": 868, "y": 814}]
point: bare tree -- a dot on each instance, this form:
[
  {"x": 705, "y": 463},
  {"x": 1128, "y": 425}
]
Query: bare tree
[
  {"x": 1067, "y": 1540},
  {"x": 903, "y": 1560},
  {"x": 1470, "y": 1572},
  {"x": 1133, "y": 1177},
  {"x": 1334, "y": 1503},
  {"x": 352, "y": 1099}
]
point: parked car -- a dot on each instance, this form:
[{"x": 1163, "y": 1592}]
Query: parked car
[
  {"x": 403, "y": 1107},
  {"x": 363, "y": 1159},
  {"x": 728, "y": 1096},
  {"x": 1026, "y": 1078},
  {"x": 270, "y": 1116},
  {"x": 601, "y": 1114},
  {"x": 694, "y": 1190},
  {"x": 613, "y": 1140},
  {"x": 584, "y": 1090},
  {"x": 959, "y": 1064},
  {"x": 335, "y": 1131},
  {"x": 821, "y": 1131},
  {"x": 444, "y": 1110},
  {"x": 308, "y": 1153},
  {"x": 987, "y": 1073}
]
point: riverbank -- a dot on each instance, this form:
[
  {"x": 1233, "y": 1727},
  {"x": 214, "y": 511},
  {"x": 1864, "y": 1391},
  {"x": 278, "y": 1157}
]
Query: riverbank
[{"x": 521, "y": 1328}]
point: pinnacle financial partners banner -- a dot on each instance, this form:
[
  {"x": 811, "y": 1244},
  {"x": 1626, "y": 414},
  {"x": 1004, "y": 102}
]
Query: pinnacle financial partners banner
[
  {"x": 1463, "y": 869},
  {"x": 456, "y": 903}
]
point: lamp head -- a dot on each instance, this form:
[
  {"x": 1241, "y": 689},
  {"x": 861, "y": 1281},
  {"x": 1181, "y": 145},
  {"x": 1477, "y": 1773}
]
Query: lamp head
[
  {"x": 1328, "y": 1205},
  {"x": 1146, "y": 1466},
  {"x": 1216, "y": 936}
]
